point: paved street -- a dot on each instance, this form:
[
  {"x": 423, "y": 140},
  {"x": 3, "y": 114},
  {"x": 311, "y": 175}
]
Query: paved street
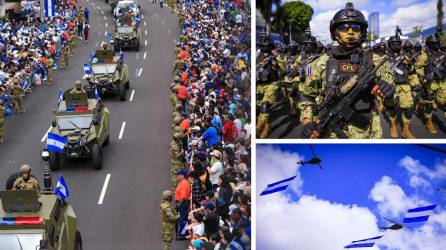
[
  {"x": 286, "y": 127},
  {"x": 135, "y": 164}
]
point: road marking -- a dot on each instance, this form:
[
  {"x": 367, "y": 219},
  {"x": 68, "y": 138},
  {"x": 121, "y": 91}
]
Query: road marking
[
  {"x": 122, "y": 130},
  {"x": 105, "y": 33},
  {"x": 168, "y": 31},
  {"x": 145, "y": 54},
  {"x": 145, "y": 32},
  {"x": 97, "y": 43},
  {"x": 142, "y": 16},
  {"x": 102, "y": 12},
  {"x": 162, "y": 22},
  {"x": 145, "y": 24},
  {"x": 137, "y": 56},
  {"x": 131, "y": 96},
  {"x": 46, "y": 134},
  {"x": 106, "y": 24},
  {"x": 104, "y": 189},
  {"x": 92, "y": 4},
  {"x": 156, "y": 15},
  {"x": 140, "y": 71},
  {"x": 97, "y": 7},
  {"x": 145, "y": 43},
  {"x": 105, "y": 17}
]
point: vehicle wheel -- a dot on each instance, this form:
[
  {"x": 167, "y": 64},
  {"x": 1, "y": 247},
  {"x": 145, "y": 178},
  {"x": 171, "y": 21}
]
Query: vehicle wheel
[
  {"x": 78, "y": 241},
  {"x": 107, "y": 140},
  {"x": 96, "y": 156},
  {"x": 122, "y": 92},
  {"x": 127, "y": 85},
  {"x": 54, "y": 161}
]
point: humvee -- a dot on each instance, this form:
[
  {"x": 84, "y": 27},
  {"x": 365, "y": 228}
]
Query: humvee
[
  {"x": 126, "y": 37},
  {"x": 108, "y": 74},
  {"x": 85, "y": 122},
  {"x": 30, "y": 219}
]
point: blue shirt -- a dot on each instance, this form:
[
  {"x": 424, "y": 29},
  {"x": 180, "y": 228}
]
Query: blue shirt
[
  {"x": 210, "y": 136},
  {"x": 216, "y": 122}
]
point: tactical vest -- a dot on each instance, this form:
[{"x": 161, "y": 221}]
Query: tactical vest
[
  {"x": 265, "y": 72},
  {"x": 400, "y": 69},
  {"x": 339, "y": 70},
  {"x": 432, "y": 63}
]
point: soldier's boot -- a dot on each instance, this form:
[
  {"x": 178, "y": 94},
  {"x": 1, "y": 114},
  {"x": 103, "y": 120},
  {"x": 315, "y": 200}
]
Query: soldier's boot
[
  {"x": 406, "y": 133},
  {"x": 393, "y": 128},
  {"x": 430, "y": 126},
  {"x": 259, "y": 126},
  {"x": 293, "y": 108},
  {"x": 266, "y": 131}
]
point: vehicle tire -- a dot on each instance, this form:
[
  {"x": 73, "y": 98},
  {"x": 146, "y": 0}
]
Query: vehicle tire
[
  {"x": 137, "y": 46},
  {"x": 78, "y": 241},
  {"x": 96, "y": 156},
  {"x": 127, "y": 85},
  {"x": 107, "y": 140},
  {"x": 122, "y": 92},
  {"x": 54, "y": 161}
]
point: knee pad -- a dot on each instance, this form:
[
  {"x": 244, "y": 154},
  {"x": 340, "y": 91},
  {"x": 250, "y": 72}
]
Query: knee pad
[
  {"x": 392, "y": 112},
  {"x": 293, "y": 92},
  {"x": 428, "y": 108},
  {"x": 407, "y": 113},
  {"x": 264, "y": 108}
]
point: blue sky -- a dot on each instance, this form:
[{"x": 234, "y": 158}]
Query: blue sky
[
  {"x": 405, "y": 13},
  {"x": 359, "y": 181}
]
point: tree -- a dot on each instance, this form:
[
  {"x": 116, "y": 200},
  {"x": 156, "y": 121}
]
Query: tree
[
  {"x": 297, "y": 14},
  {"x": 266, "y": 8},
  {"x": 440, "y": 16}
]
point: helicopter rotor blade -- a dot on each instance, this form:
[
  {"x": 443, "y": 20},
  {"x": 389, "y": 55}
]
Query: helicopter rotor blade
[
  {"x": 391, "y": 220},
  {"x": 320, "y": 166},
  {"x": 312, "y": 151}
]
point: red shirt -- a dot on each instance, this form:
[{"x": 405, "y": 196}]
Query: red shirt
[
  {"x": 182, "y": 92},
  {"x": 185, "y": 124},
  {"x": 227, "y": 131},
  {"x": 183, "y": 190}
]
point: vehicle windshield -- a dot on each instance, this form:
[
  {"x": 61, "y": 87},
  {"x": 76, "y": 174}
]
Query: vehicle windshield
[
  {"x": 124, "y": 29},
  {"x": 25, "y": 241},
  {"x": 122, "y": 6},
  {"x": 103, "y": 68},
  {"x": 70, "y": 122}
]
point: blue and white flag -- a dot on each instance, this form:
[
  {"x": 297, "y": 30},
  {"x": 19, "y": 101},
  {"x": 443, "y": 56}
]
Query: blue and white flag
[
  {"x": 182, "y": 228},
  {"x": 91, "y": 56},
  {"x": 137, "y": 19},
  {"x": 420, "y": 214},
  {"x": 96, "y": 94},
  {"x": 110, "y": 38},
  {"x": 121, "y": 55},
  {"x": 61, "y": 189},
  {"x": 277, "y": 186},
  {"x": 364, "y": 243},
  {"x": 87, "y": 69},
  {"x": 55, "y": 143},
  {"x": 49, "y": 7},
  {"x": 59, "y": 96}
]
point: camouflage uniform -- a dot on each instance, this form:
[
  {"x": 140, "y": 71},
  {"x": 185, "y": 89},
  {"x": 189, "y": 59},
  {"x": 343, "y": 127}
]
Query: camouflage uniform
[
  {"x": 73, "y": 39},
  {"x": 49, "y": 68},
  {"x": 291, "y": 83},
  {"x": 2, "y": 122},
  {"x": 17, "y": 98},
  {"x": 31, "y": 183},
  {"x": 168, "y": 218},
  {"x": 64, "y": 56},
  {"x": 175, "y": 154}
]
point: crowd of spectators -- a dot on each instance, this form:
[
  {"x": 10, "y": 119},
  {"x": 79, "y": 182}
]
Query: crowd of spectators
[
  {"x": 26, "y": 43},
  {"x": 211, "y": 113}
]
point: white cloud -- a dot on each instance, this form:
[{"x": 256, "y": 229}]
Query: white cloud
[
  {"x": 403, "y": 2},
  {"x": 274, "y": 165},
  {"x": 416, "y": 181},
  {"x": 419, "y": 173}
]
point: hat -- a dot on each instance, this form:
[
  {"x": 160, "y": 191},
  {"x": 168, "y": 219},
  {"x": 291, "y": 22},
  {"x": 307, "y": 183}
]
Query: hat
[
  {"x": 182, "y": 172},
  {"x": 216, "y": 153},
  {"x": 198, "y": 244}
]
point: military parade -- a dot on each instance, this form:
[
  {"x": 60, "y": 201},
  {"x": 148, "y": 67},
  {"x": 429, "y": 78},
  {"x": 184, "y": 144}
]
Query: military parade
[{"x": 319, "y": 86}]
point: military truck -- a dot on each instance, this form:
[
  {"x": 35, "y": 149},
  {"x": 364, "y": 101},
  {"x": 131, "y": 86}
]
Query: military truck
[
  {"x": 108, "y": 74},
  {"x": 85, "y": 123},
  {"x": 30, "y": 219},
  {"x": 126, "y": 37}
]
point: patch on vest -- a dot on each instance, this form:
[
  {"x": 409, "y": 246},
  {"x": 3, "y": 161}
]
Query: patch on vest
[
  {"x": 348, "y": 67},
  {"x": 309, "y": 71}
]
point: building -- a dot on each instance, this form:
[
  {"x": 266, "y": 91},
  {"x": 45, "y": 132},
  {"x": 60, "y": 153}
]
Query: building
[{"x": 374, "y": 25}]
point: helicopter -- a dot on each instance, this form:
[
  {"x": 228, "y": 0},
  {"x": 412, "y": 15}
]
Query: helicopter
[
  {"x": 395, "y": 226},
  {"x": 313, "y": 161}
]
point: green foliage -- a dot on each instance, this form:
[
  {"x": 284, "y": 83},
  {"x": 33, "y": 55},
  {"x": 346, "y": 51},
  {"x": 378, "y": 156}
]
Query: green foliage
[
  {"x": 440, "y": 16},
  {"x": 417, "y": 30},
  {"x": 297, "y": 14}
]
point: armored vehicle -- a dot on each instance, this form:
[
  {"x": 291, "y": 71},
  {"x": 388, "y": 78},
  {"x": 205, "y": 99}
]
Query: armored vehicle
[
  {"x": 126, "y": 37},
  {"x": 30, "y": 219},
  {"x": 85, "y": 123},
  {"x": 107, "y": 73}
]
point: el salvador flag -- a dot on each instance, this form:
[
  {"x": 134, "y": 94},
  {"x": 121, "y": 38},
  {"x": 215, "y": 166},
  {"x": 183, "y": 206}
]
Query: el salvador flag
[
  {"x": 91, "y": 56},
  {"x": 62, "y": 189},
  {"x": 277, "y": 186},
  {"x": 364, "y": 243},
  {"x": 420, "y": 214},
  {"x": 59, "y": 96},
  {"x": 49, "y": 7},
  {"x": 55, "y": 143},
  {"x": 87, "y": 69},
  {"x": 96, "y": 94},
  {"x": 110, "y": 37},
  {"x": 121, "y": 55}
]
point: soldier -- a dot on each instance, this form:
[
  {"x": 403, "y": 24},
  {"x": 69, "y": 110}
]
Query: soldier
[
  {"x": 73, "y": 39},
  {"x": 17, "y": 98},
  {"x": 2, "y": 118},
  {"x": 267, "y": 87},
  {"x": 431, "y": 69},
  {"x": 168, "y": 218},
  {"x": 49, "y": 68},
  {"x": 79, "y": 93},
  {"x": 307, "y": 67},
  {"x": 25, "y": 181},
  {"x": 349, "y": 28},
  {"x": 401, "y": 70},
  {"x": 63, "y": 55},
  {"x": 176, "y": 153},
  {"x": 292, "y": 83}
]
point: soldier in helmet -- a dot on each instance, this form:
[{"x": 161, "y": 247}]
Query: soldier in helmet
[
  {"x": 64, "y": 55},
  {"x": 267, "y": 87},
  {"x": 431, "y": 69},
  {"x": 77, "y": 90},
  {"x": 168, "y": 218},
  {"x": 291, "y": 82},
  {"x": 2, "y": 118},
  {"x": 349, "y": 28},
  {"x": 401, "y": 70},
  {"x": 17, "y": 92},
  {"x": 176, "y": 154},
  {"x": 25, "y": 180}
]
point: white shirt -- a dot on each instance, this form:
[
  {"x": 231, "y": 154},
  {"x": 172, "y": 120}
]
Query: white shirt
[
  {"x": 239, "y": 18},
  {"x": 216, "y": 171}
]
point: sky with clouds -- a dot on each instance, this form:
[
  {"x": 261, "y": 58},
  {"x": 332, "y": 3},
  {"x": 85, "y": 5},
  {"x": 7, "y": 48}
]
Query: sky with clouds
[
  {"x": 405, "y": 13},
  {"x": 327, "y": 209}
]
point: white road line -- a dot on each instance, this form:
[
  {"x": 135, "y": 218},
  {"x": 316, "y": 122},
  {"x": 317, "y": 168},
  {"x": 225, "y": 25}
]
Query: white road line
[
  {"x": 104, "y": 189},
  {"x": 102, "y": 12},
  {"x": 131, "y": 96},
  {"x": 105, "y": 33},
  {"x": 142, "y": 16},
  {"x": 145, "y": 54},
  {"x": 145, "y": 32},
  {"x": 92, "y": 4},
  {"x": 97, "y": 7},
  {"x": 106, "y": 24},
  {"x": 137, "y": 56},
  {"x": 45, "y": 135},
  {"x": 96, "y": 45},
  {"x": 156, "y": 15},
  {"x": 122, "y": 130},
  {"x": 145, "y": 43},
  {"x": 162, "y": 22},
  {"x": 139, "y": 72},
  {"x": 145, "y": 24},
  {"x": 168, "y": 31},
  {"x": 105, "y": 17}
]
